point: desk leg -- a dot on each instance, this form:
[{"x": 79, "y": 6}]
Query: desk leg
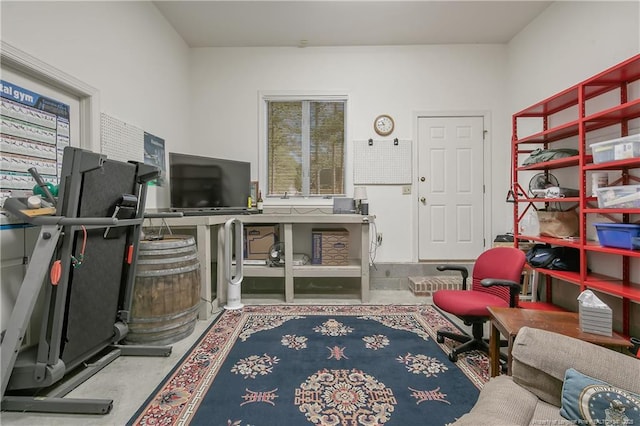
[
  {"x": 364, "y": 259},
  {"x": 494, "y": 351},
  {"x": 221, "y": 281},
  {"x": 288, "y": 263},
  {"x": 203, "y": 238}
]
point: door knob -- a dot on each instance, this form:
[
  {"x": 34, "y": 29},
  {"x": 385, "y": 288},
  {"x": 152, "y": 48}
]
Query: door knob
[
  {"x": 423, "y": 200},
  {"x": 422, "y": 179}
]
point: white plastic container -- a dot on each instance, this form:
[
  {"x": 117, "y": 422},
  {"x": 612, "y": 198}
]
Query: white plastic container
[
  {"x": 616, "y": 149},
  {"x": 619, "y": 197}
]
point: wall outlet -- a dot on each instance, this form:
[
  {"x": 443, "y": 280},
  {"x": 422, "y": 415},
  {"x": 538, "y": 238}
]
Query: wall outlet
[{"x": 406, "y": 190}]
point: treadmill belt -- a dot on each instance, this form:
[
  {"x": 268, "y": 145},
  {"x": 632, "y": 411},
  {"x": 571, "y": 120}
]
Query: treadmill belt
[{"x": 95, "y": 285}]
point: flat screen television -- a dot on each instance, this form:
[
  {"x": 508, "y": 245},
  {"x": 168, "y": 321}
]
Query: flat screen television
[{"x": 205, "y": 183}]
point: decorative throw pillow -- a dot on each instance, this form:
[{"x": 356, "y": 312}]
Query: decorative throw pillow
[{"x": 586, "y": 400}]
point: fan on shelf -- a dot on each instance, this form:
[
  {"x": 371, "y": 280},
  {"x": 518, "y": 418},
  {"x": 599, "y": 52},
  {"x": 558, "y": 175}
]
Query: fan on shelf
[
  {"x": 276, "y": 254},
  {"x": 539, "y": 183}
]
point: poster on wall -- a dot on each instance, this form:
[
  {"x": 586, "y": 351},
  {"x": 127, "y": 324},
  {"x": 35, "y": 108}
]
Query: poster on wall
[
  {"x": 154, "y": 155},
  {"x": 34, "y": 130}
]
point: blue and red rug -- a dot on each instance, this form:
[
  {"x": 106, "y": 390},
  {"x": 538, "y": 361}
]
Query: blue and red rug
[{"x": 319, "y": 365}]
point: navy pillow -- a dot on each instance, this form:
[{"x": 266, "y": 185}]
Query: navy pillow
[{"x": 586, "y": 400}]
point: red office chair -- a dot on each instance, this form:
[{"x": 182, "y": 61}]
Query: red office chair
[{"x": 495, "y": 282}]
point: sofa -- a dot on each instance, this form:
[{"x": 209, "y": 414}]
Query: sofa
[{"x": 533, "y": 395}]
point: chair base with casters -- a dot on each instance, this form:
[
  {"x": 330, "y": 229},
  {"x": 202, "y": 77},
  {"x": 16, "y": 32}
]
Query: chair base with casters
[{"x": 469, "y": 343}]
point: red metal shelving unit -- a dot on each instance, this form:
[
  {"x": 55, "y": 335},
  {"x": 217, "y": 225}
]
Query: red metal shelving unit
[{"x": 574, "y": 103}]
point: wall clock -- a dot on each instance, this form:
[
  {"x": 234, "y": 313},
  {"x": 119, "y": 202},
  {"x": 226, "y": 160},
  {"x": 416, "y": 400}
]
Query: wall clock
[{"x": 383, "y": 125}]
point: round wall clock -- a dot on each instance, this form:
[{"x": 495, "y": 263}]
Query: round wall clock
[{"x": 383, "y": 125}]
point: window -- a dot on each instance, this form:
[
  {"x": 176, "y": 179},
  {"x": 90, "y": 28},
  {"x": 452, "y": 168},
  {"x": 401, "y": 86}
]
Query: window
[{"x": 305, "y": 147}]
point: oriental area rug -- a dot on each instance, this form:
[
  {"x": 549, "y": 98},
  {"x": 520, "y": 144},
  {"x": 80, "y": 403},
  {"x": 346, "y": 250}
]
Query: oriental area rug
[{"x": 336, "y": 365}]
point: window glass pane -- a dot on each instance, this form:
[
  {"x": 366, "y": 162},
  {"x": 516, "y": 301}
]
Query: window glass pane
[
  {"x": 327, "y": 148},
  {"x": 305, "y": 147},
  {"x": 284, "y": 138}
]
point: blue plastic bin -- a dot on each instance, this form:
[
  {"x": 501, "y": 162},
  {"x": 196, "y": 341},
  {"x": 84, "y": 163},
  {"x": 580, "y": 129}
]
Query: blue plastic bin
[{"x": 620, "y": 235}]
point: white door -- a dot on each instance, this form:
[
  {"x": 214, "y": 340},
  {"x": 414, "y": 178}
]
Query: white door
[{"x": 450, "y": 188}]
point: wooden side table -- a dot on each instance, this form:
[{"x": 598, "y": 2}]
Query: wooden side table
[{"x": 508, "y": 321}]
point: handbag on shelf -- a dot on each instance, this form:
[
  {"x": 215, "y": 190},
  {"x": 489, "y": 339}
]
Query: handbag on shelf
[{"x": 559, "y": 224}]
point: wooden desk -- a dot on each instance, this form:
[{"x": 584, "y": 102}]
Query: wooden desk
[
  {"x": 210, "y": 248},
  {"x": 508, "y": 321}
]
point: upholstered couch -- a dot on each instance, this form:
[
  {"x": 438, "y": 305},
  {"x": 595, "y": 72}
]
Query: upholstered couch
[{"x": 533, "y": 395}]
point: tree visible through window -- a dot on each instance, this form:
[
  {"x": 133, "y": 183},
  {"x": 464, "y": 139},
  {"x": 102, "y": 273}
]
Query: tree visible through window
[{"x": 305, "y": 147}]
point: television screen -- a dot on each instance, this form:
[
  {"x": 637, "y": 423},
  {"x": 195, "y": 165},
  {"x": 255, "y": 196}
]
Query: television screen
[{"x": 208, "y": 183}]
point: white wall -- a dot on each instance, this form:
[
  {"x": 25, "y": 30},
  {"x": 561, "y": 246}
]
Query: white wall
[
  {"x": 569, "y": 42},
  {"x": 126, "y": 50},
  {"x": 206, "y": 100},
  {"x": 400, "y": 81}
]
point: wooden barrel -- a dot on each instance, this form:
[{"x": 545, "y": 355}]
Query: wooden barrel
[{"x": 166, "y": 293}]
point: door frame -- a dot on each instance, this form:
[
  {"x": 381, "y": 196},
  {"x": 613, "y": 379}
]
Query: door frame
[{"x": 487, "y": 171}]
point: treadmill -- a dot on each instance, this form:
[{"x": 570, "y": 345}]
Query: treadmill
[{"x": 83, "y": 264}]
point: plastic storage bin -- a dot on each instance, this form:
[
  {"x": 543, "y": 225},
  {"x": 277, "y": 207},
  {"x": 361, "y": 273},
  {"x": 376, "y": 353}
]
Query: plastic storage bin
[
  {"x": 619, "y": 197},
  {"x": 616, "y": 149},
  {"x": 620, "y": 235}
]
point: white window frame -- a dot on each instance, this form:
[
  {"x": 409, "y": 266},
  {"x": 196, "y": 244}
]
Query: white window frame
[{"x": 264, "y": 97}]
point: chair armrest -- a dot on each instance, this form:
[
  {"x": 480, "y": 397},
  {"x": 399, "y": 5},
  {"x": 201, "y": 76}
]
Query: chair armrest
[
  {"x": 514, "y": 288},
  {"x": 462, "y": 269}
]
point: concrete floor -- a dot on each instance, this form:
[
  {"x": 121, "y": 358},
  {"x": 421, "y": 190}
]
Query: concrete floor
[{"x": 130, "y": 380}]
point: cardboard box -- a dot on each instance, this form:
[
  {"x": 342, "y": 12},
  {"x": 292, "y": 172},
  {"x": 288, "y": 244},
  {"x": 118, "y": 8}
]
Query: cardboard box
[
  {"x": 595, "y": 320},
  {"x": 258, "y": 240},
  {"x": 330, "y": 247}
]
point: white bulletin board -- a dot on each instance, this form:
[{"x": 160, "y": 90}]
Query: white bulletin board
[{"x": 382, "y": 162}]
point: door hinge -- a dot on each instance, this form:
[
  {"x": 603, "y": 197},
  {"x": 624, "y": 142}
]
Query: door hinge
[{"x": 484, "y": 134}]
